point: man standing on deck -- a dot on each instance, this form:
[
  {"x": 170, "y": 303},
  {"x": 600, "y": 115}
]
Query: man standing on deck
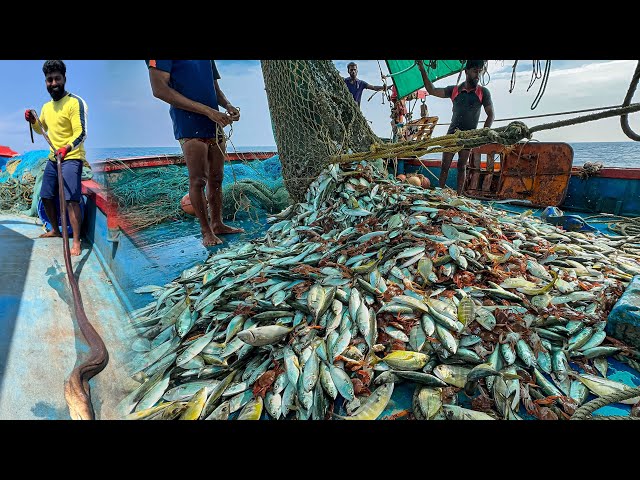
[
  {"x": 191, "y": 88},
  {"x": 467, "y": 99},
  {"x": 356, "y": 86},
  {"x": 64, "y": 119}
]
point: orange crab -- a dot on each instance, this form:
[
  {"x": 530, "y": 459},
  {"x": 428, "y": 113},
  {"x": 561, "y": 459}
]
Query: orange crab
[
  {"x": 359, "y": 387},
  {"x": 299, "y": 289},
  {"x": 463, "y": 279},
  {"x": 306, "y": 269},
  {"x": 246, "y": 310},
  {"x": 265, "y": 381}
]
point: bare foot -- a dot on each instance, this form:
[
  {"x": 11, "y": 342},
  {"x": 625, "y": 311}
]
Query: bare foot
[
  {"x": 50, "y": 233},
  {"x": 222, "y": 228},
  {"x": 76, "y": 248},
  {"x": 209, "y": 240}
]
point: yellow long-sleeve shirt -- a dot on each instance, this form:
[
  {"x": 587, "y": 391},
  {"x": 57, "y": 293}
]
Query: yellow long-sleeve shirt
[{"x": 65, "y": 122}]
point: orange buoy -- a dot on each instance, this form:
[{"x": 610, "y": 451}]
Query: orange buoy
[
  {"x": 185, "y": 203},
  {"x": 414, "y": 180},
  {"x": 424, "y": 181},
  {"x": 402, "y": 177}
]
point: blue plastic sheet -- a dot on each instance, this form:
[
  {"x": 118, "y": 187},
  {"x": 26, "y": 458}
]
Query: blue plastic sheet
[{"x": 624, "y": 319}]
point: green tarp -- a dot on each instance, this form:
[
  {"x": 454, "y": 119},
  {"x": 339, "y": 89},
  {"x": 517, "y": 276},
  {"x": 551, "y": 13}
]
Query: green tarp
[{"x": 406, "y": 76}]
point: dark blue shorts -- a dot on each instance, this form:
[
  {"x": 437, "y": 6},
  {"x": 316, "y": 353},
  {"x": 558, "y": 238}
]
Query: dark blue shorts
[{"x": 72, "y": 179}]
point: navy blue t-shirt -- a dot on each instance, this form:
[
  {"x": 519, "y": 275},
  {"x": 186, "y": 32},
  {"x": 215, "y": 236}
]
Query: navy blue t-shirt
[
  {"x": 356, "y": 88},
  {"x": 193, "y": 79}
]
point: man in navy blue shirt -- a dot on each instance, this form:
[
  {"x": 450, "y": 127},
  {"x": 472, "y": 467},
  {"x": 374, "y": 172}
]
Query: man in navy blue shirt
[
  {"x": 356, "y": 86},
  {"x": 467, "y": 98},
  {"x": 191, "y": 88}
]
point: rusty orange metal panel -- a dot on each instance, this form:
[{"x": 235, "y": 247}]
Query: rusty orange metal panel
[{"x": 538, "y": 172}]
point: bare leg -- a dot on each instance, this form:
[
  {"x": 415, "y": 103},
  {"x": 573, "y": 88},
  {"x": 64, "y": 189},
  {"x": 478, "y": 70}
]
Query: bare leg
[
  {"x": 195, "y": 156},
  {"x": 214, "y": 190},
  {"x": 74, "y": 217},
  {"x": 52, "y": 215},
  {"x": 463, "y": 157},
  {"x": 447, "y": 157}
]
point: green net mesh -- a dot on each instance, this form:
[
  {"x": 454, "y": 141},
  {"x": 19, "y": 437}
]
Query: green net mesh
[
  {"x": 314, "y": 117},
  {"x": 149, "y": 196},
  {"x": 21, "y": 179}
]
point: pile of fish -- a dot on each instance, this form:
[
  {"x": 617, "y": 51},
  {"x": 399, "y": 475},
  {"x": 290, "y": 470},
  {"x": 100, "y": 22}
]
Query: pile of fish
[{"x": 371, "y": 283}]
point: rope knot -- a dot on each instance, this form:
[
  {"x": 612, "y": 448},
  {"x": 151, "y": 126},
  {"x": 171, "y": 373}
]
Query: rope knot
[
  {"x": 493, "y": 136},
  {"x": 590, "y": 169},
  {"x": 518, "y": 130}
]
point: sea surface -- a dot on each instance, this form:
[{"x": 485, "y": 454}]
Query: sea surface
[
  {"x": 97, "y": 154},
  {"x": 611, "y": 154}
]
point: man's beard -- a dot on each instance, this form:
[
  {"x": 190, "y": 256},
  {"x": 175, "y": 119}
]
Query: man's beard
[{"x": 56, "y": 94}]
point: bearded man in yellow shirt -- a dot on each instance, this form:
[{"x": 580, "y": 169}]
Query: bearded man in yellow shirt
[{"x": 64, "y": 119}]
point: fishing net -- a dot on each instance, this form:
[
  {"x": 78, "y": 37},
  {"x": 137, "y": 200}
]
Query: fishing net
[
  {"x": 21, "y": 179},
  {"x": 317, "y": 122},
  {"x": 314, "y": 118},
  {"x": 20, "y": 183},
  {"x": 149, "y": 196}
]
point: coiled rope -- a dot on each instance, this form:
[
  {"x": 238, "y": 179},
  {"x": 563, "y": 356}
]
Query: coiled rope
[
  {"x": 622, "y": 225},
  {"x": 585, "y": 411},
  {"x": 462, "y": 140}
]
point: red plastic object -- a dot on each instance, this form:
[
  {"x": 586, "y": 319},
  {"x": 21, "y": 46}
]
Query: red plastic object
[{"x": 7, "y": 152}]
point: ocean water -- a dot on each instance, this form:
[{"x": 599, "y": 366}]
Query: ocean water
[
  {"x": 611, "y": 154},
  {"x": 97, "y": 154}
]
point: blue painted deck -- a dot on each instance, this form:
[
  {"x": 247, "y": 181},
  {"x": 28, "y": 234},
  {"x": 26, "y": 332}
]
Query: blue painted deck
[
  {"x": 156, "y": 255},
  {"x": 40, "y": 342},
  {"x": 160, "y": 253}
]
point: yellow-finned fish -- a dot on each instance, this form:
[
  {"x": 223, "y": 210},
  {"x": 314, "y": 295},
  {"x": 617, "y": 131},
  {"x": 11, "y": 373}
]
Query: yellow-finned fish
[
  {"x": 452, "y": 374},
  {"x": 604, "y": 386},
  {"x": 148, "y": 412},
  {"x": 429, "y": 401},
  {"x": 252, "y": 410},
  {"x": 195, "y": 406},
  {"x": 542, "y": 290},
  {"x": 375, "y": 404},
  {"x": 406, "y": 360}
]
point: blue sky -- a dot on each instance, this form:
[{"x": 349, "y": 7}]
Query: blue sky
[{"x": 124, "y": 113}]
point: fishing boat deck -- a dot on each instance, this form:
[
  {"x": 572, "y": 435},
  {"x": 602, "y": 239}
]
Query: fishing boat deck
[
  {"x": 165, "y": 250},
  {"x": 40, "y": 342},
  {"x": 156, "y": 255},
  {"x": 160, "y": 253}
]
